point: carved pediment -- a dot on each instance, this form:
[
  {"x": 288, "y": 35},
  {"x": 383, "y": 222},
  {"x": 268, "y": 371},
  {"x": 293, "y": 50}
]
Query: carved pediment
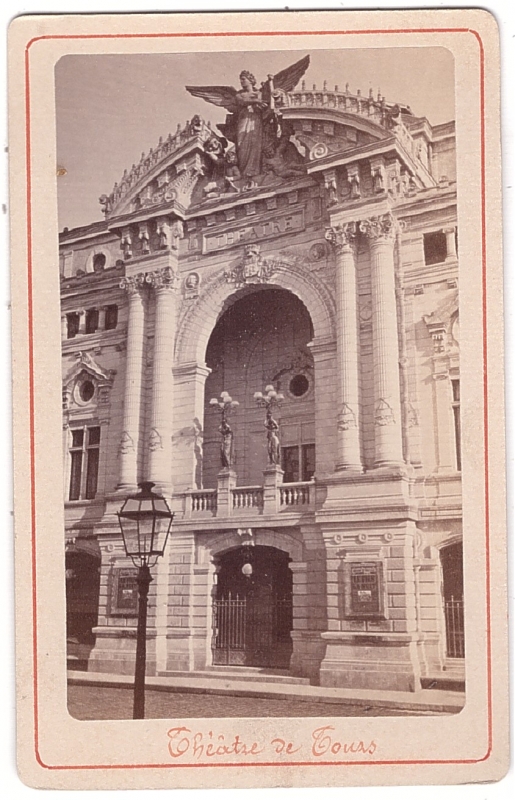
[{"x": 87, "y": 371}]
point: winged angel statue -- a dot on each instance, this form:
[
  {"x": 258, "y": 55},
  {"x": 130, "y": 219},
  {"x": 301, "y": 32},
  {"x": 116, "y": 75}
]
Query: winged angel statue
[{"x": 253, "y": 123}]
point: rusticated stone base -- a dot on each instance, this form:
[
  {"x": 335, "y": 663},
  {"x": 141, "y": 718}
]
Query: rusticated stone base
[
  {"x": 115, "y": 651},
  {"x": 308, "y": 651},
  {"x": 370, "y": 661}
]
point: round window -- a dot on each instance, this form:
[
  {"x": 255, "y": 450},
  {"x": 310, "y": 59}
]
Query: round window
[
  {"x": 86, "y": 391},
  {"x": 299, "y": 385}
]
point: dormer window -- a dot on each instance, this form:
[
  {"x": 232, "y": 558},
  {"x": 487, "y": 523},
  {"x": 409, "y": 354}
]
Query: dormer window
[{"x": 99, "y": 262}]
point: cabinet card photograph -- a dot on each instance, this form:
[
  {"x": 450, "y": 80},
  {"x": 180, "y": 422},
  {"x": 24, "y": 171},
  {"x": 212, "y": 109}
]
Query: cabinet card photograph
[{"x": 258, "y": 414}]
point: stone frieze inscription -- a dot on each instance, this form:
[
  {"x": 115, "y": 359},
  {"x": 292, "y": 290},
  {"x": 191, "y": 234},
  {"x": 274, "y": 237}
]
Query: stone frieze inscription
[{"x": 265, "y": 229}]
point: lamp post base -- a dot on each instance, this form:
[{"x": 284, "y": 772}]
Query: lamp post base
[{"x": 144, "y": 580}]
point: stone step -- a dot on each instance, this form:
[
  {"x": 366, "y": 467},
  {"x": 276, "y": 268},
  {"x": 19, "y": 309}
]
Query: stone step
[
  {"x": 444, "y": 681},
  {"x": 248, "y": 674},
  {"x": 455, "y": 666}
]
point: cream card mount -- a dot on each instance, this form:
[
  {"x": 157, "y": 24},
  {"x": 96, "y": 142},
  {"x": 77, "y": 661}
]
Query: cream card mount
[{"x": 259, "y": 440}]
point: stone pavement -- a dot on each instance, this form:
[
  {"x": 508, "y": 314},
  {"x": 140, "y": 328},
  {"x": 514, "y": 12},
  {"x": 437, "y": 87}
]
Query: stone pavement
[
  {"x": 93, "y": 702},
  {"x": 425, "y": 700}
]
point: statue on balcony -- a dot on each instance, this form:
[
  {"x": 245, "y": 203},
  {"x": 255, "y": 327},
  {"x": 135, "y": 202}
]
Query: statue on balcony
[
  {"x": 252, "y": 123},
  {"x": 273, "y": 443},
  {"x": 227, "y": 445}
]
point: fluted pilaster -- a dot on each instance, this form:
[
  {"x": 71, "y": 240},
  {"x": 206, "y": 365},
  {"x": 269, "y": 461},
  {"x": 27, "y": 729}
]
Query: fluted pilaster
[
  {"x": 342, "y": 238},
  {"x": 128, "y": 479},
  {"x": 164, "y": 283},
  {"x": 381, "y": 232}
]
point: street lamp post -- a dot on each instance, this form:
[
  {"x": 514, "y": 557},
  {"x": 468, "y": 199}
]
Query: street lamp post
[{"x": 145, "y": 521}]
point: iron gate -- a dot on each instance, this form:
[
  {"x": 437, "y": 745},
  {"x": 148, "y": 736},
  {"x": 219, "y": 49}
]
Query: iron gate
[
  {"x": 455, "y": 628},
  {"x": 252, "y": 629}
]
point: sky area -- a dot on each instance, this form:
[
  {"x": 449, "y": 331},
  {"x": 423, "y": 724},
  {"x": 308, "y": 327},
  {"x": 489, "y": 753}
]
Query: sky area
[{"x": 111, "y": 108}]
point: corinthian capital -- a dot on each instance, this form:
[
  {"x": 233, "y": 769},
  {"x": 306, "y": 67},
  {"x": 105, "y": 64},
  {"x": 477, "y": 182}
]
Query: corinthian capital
[
  {"x": 162, "y": 279},
  {"x": 342, "y": 237},
  {"x": 132, "y": 283},
  {"x": 384, "y": 226}
]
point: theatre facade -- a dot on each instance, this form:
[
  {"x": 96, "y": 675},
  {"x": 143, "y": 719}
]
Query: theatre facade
[{"x": 303, "y": 262}]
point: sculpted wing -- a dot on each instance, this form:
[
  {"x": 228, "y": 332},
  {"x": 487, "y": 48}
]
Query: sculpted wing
[
  {"x": 217, "y": 95},
  {"x": 288, "y": 78}
]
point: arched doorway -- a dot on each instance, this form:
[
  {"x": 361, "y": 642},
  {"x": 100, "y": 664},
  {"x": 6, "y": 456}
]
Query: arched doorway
[
  {"x": 262, "y": 338},
  {"x": 82, "y": 597},
  {"x": 252, "y": 608},
  {"x": 451, "y": 558}
]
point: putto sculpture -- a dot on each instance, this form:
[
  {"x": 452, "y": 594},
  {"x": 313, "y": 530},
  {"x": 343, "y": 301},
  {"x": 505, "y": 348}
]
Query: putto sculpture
[{"x": 253, "y": 123}]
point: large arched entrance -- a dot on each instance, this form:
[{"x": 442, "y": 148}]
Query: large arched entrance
[
  {"x": 252, "y": 608},
  {"x": 262, "y": 338},
  {"x": 82, "y": 597}
]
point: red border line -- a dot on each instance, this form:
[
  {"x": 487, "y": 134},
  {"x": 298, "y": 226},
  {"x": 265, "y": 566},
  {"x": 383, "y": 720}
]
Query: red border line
[{"x": 32, "y": 395}]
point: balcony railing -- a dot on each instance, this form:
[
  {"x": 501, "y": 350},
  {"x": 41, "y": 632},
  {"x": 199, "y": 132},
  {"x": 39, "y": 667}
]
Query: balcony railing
[
  {"x": 295, "y": 494},
  {"x": 203, "y": 500},
  {"x": 247, "y": 497},
  {"x": 229, "y": 500}
]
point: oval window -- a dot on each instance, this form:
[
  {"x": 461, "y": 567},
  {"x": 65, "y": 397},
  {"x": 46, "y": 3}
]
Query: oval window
[
  {"x": 299, "y": 385},
  {"x": 86, "y": 391}
]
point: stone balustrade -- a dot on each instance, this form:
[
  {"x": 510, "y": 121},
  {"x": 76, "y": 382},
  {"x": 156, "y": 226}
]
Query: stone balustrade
[
  {"x": 248, "y": 500},
  {"x": 203, "y": 500},
  {"x": 246, "y": 497},
  {"x": 376, "y": 110},
  {"x": 296, "y": 494},
  {"x": 196, "y": 129}
]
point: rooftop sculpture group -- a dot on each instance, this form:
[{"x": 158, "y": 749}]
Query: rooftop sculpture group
[
  {"x": 262, "y": 142},
  {"x": 256, "y": 145}
]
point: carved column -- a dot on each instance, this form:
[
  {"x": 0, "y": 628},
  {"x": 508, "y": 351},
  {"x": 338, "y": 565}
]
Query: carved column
[
  {"x": 164, "y": 282},
  {"x": 381, "y": 232},
  {"x": 347, "y": 348},
  {"x": 450, "y": 239},
  {"x": 133, "y": 384},
  {"x": 102, "y": 318},
  {"x": 82, "y": 321}
]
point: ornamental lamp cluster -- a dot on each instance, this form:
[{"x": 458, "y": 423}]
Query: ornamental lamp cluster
[
  {"x": 225, "y": 403},
  {"x": 270, "y": 398}
]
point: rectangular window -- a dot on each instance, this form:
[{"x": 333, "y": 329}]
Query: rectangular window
[
  {"x": 85, "y": 457},
  {"x": 455, "y": 384},
  {"x": 308, "y": 461},
  {"x": 91, "y": 320},
  {"x": 75, "y": 473},
  {"x": 435, "y": 247},
  {"x": 298, "y": 463},
  {"x": 72, "y": 325},
  {"x": 111, "y": 319},
  {"x": 291, "y": 464}
]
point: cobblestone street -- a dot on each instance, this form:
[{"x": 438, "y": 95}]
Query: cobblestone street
[{"x": 91, "y": 702}]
